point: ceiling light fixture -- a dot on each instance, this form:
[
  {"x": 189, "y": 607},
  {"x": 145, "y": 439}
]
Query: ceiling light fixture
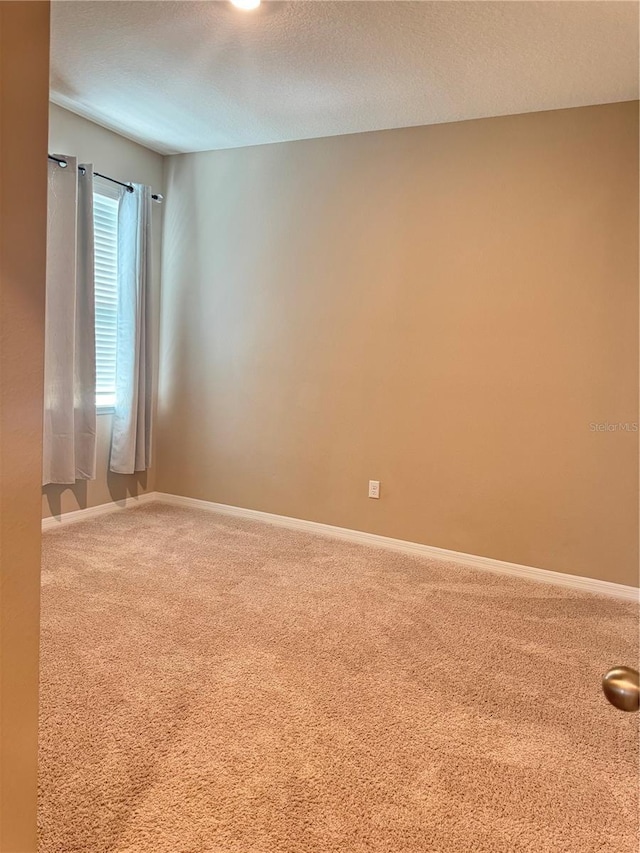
[{"x": 246, "y": 5}]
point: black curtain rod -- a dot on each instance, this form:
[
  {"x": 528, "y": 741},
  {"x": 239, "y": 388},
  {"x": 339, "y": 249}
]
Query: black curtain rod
[{"x": 63, "y": 164}]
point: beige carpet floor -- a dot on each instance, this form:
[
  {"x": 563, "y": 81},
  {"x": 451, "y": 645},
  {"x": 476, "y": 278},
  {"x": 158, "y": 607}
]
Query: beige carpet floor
[{"x": 211, "y": 685}]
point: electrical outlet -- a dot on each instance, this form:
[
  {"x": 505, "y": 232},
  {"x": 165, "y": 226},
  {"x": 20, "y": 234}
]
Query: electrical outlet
[{"x": 374, "y": 489}]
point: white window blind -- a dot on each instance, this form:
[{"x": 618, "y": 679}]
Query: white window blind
[{"x": 105, "y": 218}]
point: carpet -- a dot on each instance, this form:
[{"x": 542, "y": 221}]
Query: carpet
[{"x": 215, "y": 685}]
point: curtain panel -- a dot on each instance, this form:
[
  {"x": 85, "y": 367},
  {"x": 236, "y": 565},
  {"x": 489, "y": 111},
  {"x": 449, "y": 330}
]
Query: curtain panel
[
  {"x": 69, "y": 441},
  {"x": 131, "y": 437}
]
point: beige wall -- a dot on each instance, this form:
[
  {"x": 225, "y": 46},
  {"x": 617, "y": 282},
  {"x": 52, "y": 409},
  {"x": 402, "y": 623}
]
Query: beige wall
[
  {"x": 124, "y": 160},
  {"x": 446, "y": 309},
  {"x": 24, "y": 85}
]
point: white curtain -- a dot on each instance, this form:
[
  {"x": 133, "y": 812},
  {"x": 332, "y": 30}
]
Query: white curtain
[
  {"x": 131, "y": 438},
  {"x": 69, "y": 444}
]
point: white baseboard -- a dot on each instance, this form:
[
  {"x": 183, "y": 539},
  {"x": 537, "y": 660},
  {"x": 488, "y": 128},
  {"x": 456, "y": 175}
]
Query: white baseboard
[
  {"x": 592, "y": 585},
  {"x": 56, "y": 521},
  {"x": 599, "y": 587}
]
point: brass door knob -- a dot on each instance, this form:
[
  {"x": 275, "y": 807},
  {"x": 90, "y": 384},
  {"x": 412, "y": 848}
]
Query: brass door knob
[{"x": 622, "y": 689}]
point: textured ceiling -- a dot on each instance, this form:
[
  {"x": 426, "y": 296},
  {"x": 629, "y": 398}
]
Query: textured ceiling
[{"x": 185, "y": 76}]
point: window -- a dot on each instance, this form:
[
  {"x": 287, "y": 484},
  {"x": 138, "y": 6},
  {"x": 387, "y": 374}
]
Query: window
[{"x": 105, "y": 219}]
